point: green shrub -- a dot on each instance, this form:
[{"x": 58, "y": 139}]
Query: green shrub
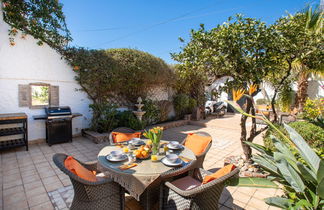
[
  {"x": 313, "y": 135},
  {"x": 262, "y": 101},
  {"x": 165, "y": 107},
  {"x": 313, "y": 109},
  {"x": 103, "y": 119},
  {"x": 152, "y": 112},
  {"x": 128, "y": 119},
  {"x": 192, "y": 104},
  {"x": 127, "y": 72},
  {"x": 181, "y": 104}
]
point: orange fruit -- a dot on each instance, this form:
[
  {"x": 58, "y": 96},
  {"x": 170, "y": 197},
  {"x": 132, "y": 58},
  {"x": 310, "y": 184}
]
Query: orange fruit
[
  {"x": 144, "y": 154},
  {"x": 138, "y": 154}
]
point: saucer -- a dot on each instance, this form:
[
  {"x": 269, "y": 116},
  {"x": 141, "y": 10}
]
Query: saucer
[
  {"x": 136, "y": 142},
  {"x": 170, "y": 146},
  {"x": 114, "y": 159},
  {"x": 168, "y": 163}
]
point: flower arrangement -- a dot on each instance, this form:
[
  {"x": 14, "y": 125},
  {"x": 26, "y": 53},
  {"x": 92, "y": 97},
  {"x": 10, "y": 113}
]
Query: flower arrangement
[{"x": 154, "y": 135}]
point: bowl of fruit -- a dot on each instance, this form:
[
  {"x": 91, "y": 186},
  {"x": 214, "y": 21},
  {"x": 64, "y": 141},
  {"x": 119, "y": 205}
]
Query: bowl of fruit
[{"x": 143, "y": 152}]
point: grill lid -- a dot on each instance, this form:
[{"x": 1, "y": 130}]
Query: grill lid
[{"x": 58, "y": 111}]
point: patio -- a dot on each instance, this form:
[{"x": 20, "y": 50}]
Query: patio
[{"x": 29, "y": 179}]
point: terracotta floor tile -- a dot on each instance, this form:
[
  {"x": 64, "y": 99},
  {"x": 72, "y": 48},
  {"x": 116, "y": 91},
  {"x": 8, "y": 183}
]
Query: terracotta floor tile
[
  {"x": 13, "y": 190},
  {"x": 241, "y": 197},
  {"x": 258, "y": 204},
  {"x": 37, "y": 200},
  {"x": 43, "y": 206},
  {"x": 10, "y": 172},
  {"x": 31, "y": 178},
  {"x": 247, "y": 190},
  {"x": 13, "y": 183},
  {"x": 35, "y": 191},
  {"x": 33, "y": 185},
  {"x": 17, "y": 205},
  {"x": 13, "y": 198},
  {"x": 53, "y": 186}
]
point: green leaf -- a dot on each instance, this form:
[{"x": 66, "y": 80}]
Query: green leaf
[
  {"x": 320, "y": 189},
  {"x": 252, "y": 182},
  {"x": 290, "y": 175},
  {"x": 258, "y": 147},
  {"x": 267, "y": 164},
  {"x": 320, "y": 173},
  {"x": 308, "y": 174},
  {"x": 304, "y": 149},
  {"x": 282, "y": 148},
  {"x": 279, "y": 202},
  {"x": 315, "y": 199},
  {"x": 303, "y": 203},
  {"x": 278, "y": 156}
]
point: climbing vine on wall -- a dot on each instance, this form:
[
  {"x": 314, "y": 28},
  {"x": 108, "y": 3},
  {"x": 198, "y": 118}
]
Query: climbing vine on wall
[{"x": 43, "y": 19}]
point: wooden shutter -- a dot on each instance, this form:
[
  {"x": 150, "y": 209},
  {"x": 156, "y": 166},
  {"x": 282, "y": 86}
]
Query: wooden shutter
[
  {"x": 55, "y": 96},
  {"x": 23, "y": 95}
]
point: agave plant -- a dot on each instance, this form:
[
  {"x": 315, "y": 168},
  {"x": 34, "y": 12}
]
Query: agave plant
[{"x": 302, "y": 181}]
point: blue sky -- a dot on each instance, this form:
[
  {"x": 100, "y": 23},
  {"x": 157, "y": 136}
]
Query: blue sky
[{"x": 155, "y": 26}]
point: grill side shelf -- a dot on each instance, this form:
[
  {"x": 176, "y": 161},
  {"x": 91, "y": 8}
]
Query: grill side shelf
[{"x": 13, "y": 130}]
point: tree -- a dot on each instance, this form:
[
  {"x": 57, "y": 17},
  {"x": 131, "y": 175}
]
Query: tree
[
  {"x": 313, "y": 21},
  {"x": 42, "y": 19},
  {"x": 239, "y": 48}
]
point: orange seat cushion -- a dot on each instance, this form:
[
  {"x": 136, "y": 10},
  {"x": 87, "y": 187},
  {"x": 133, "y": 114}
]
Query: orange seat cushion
[
  {"x": 197, "y": 143},
  {"x": 75, "y": 167},
  {"x": 221, "y": 172},
  {"x": 121, "y": 137}
]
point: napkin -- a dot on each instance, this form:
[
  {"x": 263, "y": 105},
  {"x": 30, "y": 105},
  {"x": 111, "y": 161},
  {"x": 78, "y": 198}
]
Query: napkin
[
  {"x": 185, "y": 159},
  {"x": 127, "y": 166}
]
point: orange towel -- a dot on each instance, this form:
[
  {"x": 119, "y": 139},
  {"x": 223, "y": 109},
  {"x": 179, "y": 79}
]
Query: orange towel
[
  {"x": 197, "y": 143},
  {"x": 121, "y": 137},
  {"x": 75, "y": 167},
  {"x": 221, "y": 172}
]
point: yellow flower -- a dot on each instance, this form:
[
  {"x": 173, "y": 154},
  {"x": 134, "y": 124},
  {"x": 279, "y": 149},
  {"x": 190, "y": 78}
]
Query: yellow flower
[
  {"x": 252, "y": 89},
  {"x": 237, "y": 94}
]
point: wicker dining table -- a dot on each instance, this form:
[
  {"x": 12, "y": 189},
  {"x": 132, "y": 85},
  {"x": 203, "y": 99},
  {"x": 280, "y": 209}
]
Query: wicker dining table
[{"x": 143, "y": 181}]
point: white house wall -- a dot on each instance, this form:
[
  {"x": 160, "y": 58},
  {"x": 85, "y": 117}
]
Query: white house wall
[{"x": 25, "y": 63}]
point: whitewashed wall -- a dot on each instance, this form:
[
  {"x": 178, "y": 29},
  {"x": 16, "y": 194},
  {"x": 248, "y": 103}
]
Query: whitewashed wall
[{"x": 25, "y": 63}]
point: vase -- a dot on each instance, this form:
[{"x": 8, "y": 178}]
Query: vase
[{"x": 155, "y": 148}]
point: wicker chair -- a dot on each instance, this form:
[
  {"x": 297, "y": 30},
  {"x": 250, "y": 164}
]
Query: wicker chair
[
  {"x": 200, "y": 158},
  {"x": 102, "y": 194},
  {"x": 151, "y": 194},
  {"x": 204, "y": 197},
  {"x": 121, "y": 130}
]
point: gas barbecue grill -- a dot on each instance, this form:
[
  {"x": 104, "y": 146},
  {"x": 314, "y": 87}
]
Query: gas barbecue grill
[{"x": 58, "y": 124}]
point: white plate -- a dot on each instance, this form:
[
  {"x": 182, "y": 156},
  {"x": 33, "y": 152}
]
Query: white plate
[
  {"x": 168, "y": 163},
  {"x": 175, "y": 147},
  {"x": 113, "y": 159}
]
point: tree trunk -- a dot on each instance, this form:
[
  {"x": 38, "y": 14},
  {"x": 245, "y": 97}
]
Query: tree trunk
[
  {"x": 301, "y": 91},
  {"x": 273, "y": 101},
  {"x": 246, "y": 148}
]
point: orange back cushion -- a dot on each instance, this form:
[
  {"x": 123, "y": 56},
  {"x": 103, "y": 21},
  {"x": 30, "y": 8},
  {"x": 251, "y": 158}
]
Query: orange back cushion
[
  {"x": 221, "y": 172},
  {"x": 121, "y": 137},
  {"x": 76, "y": 168},
  {"x": 197, "y": 143}
]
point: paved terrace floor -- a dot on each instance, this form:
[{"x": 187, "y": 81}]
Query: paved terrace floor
[{"x": 26, "y": 177}]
